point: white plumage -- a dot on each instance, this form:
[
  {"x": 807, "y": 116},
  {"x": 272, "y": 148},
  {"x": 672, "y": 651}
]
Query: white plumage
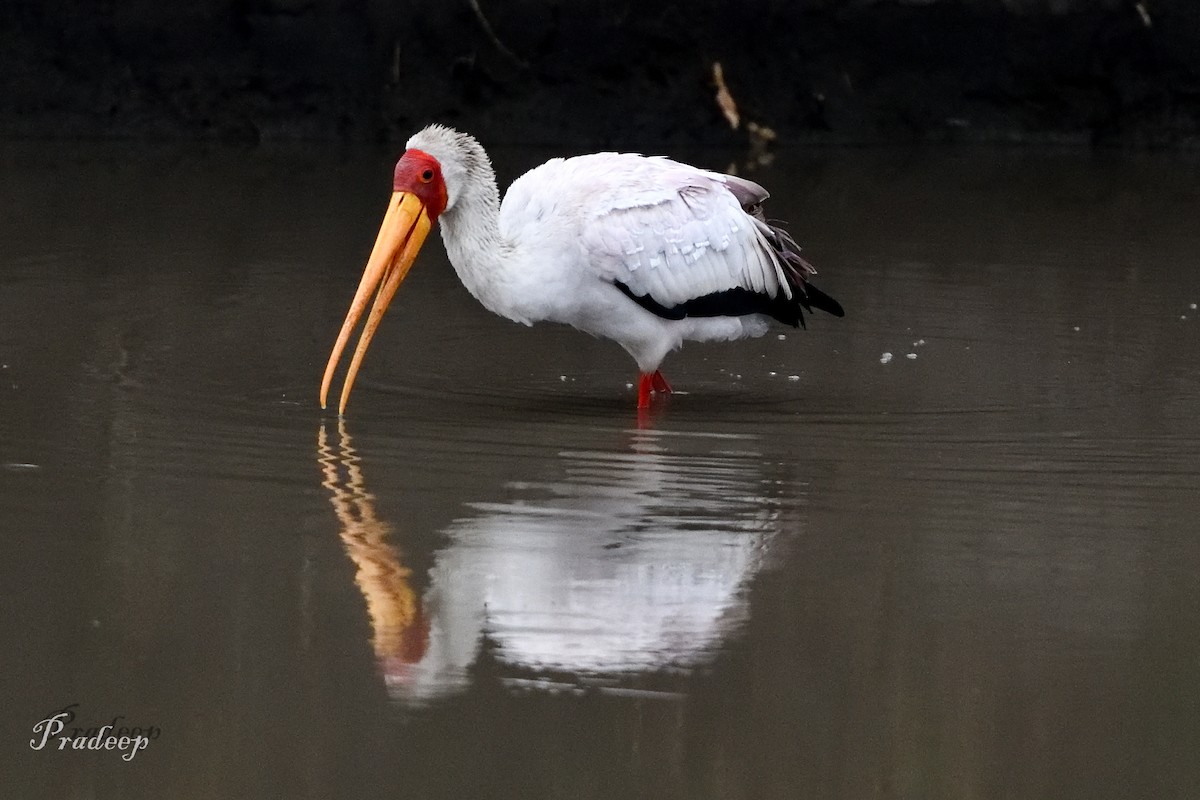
[{"x": 645, "y": 251}]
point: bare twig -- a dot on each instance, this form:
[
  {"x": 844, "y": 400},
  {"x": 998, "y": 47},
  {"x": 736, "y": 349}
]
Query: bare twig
[
  {"x": 724, "y": 98},
  {"x": 487, "y": 28},
  {"x": 1144, "y": 13},
  {"x": 761, "y": 139}
]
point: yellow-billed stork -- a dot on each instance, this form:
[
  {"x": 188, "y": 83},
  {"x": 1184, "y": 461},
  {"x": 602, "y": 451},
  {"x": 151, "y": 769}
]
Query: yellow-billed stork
[{"x": 642, "y": 250}]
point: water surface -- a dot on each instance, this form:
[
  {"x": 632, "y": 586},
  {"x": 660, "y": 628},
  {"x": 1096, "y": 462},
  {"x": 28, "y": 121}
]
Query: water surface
[{"x": 968, "y": 571}]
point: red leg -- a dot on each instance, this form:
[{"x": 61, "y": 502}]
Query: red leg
[
  {"x": 645, "y": 384},
  {"x": 660, "y": 383}
]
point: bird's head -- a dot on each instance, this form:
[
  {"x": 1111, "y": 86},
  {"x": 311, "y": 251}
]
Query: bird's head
[
  {"x": 429, "y": 180},
  {"x": 458, "y": 163}
]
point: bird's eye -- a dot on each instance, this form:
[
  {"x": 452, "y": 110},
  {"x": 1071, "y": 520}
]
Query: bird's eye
[{"x": 427, "y": 176}]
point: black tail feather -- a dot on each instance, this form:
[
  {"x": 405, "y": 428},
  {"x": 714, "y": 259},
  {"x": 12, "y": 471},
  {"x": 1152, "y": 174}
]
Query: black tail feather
[
  {"x": 819, "y": 300},
  {"x": 796, "y": 270}
]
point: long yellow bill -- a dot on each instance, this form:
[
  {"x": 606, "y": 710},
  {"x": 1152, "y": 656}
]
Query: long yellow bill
[{"x": 401, "y": 235}]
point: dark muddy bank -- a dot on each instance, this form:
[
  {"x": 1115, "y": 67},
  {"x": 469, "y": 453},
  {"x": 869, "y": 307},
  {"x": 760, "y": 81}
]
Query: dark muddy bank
[{"x": 605, "y": 73}]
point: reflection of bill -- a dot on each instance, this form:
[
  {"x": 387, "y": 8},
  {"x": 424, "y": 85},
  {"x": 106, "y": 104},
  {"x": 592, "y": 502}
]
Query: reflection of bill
[
  {"x": 633, "y": 562},
  {"x": 399, "y": 630}
]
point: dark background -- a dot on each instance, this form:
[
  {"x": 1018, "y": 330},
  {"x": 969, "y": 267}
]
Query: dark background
[{"x": 599, "y": 72}]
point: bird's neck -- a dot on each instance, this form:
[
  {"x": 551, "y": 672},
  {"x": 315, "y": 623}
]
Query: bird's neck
[{"x": 478, "y": 252}]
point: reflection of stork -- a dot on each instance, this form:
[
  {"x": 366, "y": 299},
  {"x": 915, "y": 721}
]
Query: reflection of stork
[
  {"x": 399, "y": 630},
  {"x": 631, "y": 562}
]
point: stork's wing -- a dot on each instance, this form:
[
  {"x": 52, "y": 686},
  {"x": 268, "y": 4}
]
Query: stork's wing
[
  {"x": 674, "y": 234},
  {"x": 686, "y": 242}
]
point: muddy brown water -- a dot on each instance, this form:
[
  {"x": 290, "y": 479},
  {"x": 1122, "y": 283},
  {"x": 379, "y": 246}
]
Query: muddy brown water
[{"x": 970, "y": 571}]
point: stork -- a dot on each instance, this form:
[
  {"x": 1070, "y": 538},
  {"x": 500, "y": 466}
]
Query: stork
[{"x": 645, "y": 251}]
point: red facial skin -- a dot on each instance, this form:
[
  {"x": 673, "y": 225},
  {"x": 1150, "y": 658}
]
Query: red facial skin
[{"x": 420, "y": 174}]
